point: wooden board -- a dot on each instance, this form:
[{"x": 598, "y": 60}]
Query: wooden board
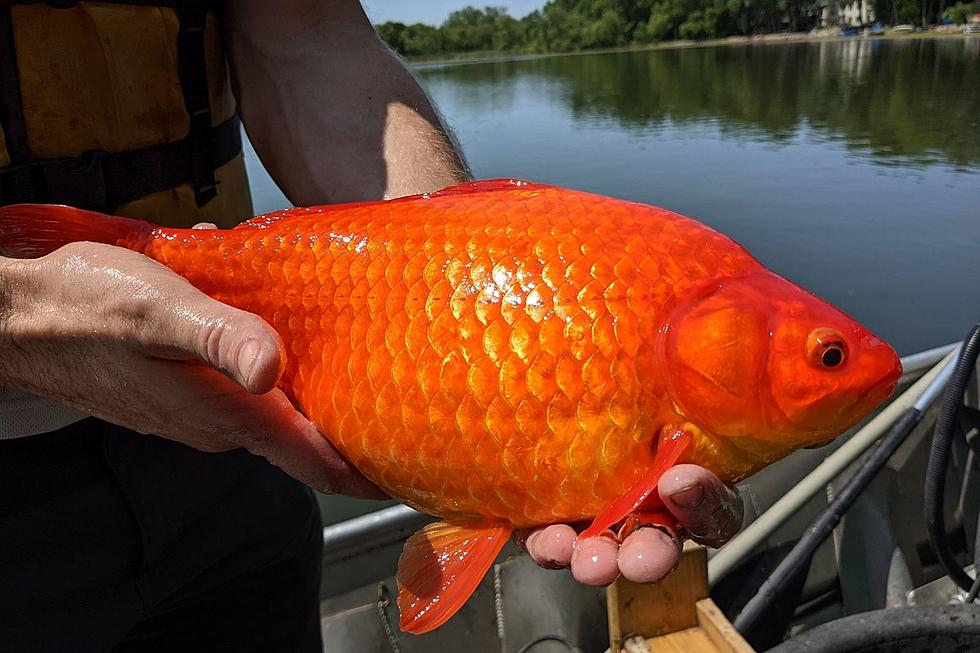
[
  {"x": 719, "y": 629},
  {"x": 673, "y": 616},
  {"x": 658, "y": 608}
]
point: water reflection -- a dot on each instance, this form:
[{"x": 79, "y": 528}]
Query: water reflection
[
  {"x": 852, "y": 168},
  {"x": 915, "y": 101}
]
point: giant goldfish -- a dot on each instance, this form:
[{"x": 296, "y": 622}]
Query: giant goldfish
[{"x": 504, "y": 354}]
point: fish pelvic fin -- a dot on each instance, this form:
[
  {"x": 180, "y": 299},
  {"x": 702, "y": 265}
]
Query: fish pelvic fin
[
  {"x": 673, "y": 445},
  {"x": 32, "y": 230},
  {"x": 440, "y": 568}
]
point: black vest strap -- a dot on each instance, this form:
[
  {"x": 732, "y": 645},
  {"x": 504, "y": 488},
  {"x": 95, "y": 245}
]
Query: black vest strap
[
  {"x": 102, "y": 181},
  {"x": 194, "y": 82},
  {"x": 11, "y": 106},
  {"x": 68, "y": 4}
]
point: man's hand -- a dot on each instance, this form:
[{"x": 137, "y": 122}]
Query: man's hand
[
  {"x": 121, "y": 337},
  {"x": 708, "y": 511}
]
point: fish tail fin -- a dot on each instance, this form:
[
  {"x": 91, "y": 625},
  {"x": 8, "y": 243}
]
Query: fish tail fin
[
  {"x": 32, "y": 230},
  {"x": 642, "y": 493},
  {"x": 440, "y": 567}
]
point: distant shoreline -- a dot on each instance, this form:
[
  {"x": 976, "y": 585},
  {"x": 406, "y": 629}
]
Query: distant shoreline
[{"x": 762, "y": 39}]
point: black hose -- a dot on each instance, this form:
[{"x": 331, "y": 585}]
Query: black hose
[
  {"x": 550, "y": 638},
  {"x": 772, "y": 589},
  {"x": 923, "y": 629},
  {"x": 939, "y": 459},
  {"x": 971, "y": 596}
]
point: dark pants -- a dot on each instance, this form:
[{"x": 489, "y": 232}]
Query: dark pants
[{"x": 115, "y": 541}]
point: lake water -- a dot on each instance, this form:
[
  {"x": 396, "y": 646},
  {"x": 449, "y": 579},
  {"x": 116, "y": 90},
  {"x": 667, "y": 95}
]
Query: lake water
[{"x": 850, "y": 167}]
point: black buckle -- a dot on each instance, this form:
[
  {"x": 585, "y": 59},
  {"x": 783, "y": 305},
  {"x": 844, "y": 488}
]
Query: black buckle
[{"x": 79, "y": 181}]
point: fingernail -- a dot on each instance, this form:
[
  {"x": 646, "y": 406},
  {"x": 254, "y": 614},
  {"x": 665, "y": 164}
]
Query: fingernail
[
  {"x": 247, "y": 355},
  {"x": 688, "y": 496},
  {"x": 526, "y": 541},
  {"x": 607, "y": 534},
  {"x": 596, "y": 564},
  {"x": 664, "y": 535}
]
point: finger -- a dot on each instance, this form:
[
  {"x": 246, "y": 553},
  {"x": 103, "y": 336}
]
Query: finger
[
  {"x": 239, "y": 344},
  {"x": 210, "y": 412},
  {"x": 648, "y": 554},
  {"x": 550, "y": 547},
  {"x": 594, "y": 560},
  {"x": 165, "y": 316},
  {"x": 708, "y": 511},
  {"x": 205, "y": 225},
  {"x": 291, "y": 442}
]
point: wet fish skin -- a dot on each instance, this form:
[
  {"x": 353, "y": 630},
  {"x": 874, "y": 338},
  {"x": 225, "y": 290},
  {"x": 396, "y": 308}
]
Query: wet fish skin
[{"x": 505, "y": 354}]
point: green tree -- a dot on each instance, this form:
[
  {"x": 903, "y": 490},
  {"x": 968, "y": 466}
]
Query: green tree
[
  {"x": 960, "y": 12},
  {"x": 665, "y": 19},
  {"x": 393, "y": 34},
  {"x": 564, "y": 25},
  {"x": 608, "y": 31},
  {"x": 419, "y": 39}
]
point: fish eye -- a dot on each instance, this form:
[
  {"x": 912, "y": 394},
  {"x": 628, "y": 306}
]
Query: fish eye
[
  {"x": 826, "y": 348},
  {"x": 832, "y": 356}
]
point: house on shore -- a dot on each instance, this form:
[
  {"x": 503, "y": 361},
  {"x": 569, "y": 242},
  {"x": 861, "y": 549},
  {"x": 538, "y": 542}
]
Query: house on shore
[{"x": 846, "y": 14}]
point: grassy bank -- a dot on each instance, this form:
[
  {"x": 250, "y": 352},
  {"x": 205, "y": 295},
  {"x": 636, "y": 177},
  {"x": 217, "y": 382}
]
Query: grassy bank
[{"x": 764, "y": 39}]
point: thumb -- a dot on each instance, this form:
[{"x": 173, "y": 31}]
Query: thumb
[
  {"x": 284, "y": 437},
  {"x": 237, "y": 343},
  {"x": 708, "y": 511}
]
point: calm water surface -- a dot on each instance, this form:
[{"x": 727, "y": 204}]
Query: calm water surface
[{"x": 852, "y": 168}]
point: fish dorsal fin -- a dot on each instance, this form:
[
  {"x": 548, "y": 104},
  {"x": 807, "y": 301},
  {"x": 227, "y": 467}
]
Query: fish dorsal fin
[
  {"x": 263, "y": 221},
  {"x": 669, "y": 452},
  {"x": 487, "y": 185},
  {"x": 440, "y": 567},
  {"x": 482, "y": 186}
]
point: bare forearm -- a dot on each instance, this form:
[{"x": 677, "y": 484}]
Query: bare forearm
[
  {"x": 11, "y": 282},
  {"x": 333, "y": 114}
]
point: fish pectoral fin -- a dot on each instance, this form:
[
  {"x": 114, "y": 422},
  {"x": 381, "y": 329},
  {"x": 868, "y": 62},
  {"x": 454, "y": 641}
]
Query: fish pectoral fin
[
  {"x": 440, "y": 567},
  {"x": 660, "y": 517},
  {"x": 673, "y": 443}
]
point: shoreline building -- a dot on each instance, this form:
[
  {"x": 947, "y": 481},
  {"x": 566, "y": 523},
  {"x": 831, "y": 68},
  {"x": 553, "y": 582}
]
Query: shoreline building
[{"x": 846, "y": 14}]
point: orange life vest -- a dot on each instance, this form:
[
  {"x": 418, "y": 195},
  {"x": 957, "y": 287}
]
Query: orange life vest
[{"x": 123, "y": 107}]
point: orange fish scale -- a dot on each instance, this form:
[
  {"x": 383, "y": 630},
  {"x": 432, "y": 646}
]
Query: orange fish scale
[{"x": 475, "y": 356}]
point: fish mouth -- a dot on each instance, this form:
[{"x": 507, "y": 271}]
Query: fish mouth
[
  {"x": 864, "y": 404},
  {"x": 859, "y": 407},
  {"x": 874, "y": 395},
  {"x": 879, "y": 391}
]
